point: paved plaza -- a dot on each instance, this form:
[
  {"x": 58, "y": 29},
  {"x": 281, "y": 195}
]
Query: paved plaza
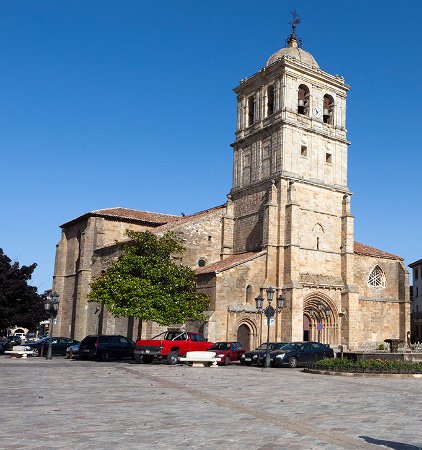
[{"x": 62, "y": 404}]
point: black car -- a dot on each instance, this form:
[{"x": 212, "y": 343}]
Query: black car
[
  {"x": 58, "y": 346},
  {"x": 253, "y": 357},
  {"x": 299, "y": 354},
  {"x": 275, "y": 346},
  {"x": 105, "y": 347},
  {"x": 12, "y": 341}
]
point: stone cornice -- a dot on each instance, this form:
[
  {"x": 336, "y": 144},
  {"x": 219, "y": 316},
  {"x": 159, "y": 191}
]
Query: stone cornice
[
  {"x": 260, "y": 128},
  {"x": 292, "y": 63},
  {"x": 290, "y": 177}
]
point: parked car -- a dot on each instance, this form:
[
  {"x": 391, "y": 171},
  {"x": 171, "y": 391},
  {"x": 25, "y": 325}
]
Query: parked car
[
  {"x": 12, "y": 341},
  {"x": 252, "y": 358},
  {"x": 58, "y": 346},
  {"x": 105, "y": 347},
  {"x": 170, "y": 345},
  {"x": 227, "y": 352},
  {"x": 300, "y": 353},
  {"x": 273, "y": 348},
  {"x": 72, "y": 351},
  {"x": 31, "y": 337}
]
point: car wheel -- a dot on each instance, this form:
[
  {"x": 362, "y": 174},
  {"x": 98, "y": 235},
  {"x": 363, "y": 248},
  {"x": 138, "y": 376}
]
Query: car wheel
[
  {"x": 227, "y": 361},
  {"x": 293, "y": 363},
  {"x": 147, "y": 359},
  {"x": 105, "y": 356},
  {"x": 173, "y": 358}
]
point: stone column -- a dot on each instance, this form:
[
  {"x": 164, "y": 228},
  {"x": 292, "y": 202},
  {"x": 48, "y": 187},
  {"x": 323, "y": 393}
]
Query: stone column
[
  {"x": 293, "y": 293},
  {"x": 349, "y": 296},
  {"x": 58, "y": 282},
  {"x": 227, "y": 229}
]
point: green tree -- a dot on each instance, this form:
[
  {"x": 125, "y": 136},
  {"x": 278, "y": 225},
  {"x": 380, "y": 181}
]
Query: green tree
[
  {"x": 19, "y": 302},
  {"x": 145, "y": 282}
]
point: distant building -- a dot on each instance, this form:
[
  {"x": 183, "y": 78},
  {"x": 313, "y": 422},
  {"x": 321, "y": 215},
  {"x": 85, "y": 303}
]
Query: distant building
[
  {"x": 416, "y": 305},
  {"x": 287, "y": 224}
]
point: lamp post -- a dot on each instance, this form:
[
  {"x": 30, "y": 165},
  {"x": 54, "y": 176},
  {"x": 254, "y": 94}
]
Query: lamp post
[
  {"x": 269, "y": 312},
  {"x": 51, "y": 306},
  {"x": 318, "y": 315}
]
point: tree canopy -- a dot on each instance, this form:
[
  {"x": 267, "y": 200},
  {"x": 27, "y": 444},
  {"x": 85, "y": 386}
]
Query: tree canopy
[
  {"x": 19, "y": 302},
  {"x": 146, "y": 282}
]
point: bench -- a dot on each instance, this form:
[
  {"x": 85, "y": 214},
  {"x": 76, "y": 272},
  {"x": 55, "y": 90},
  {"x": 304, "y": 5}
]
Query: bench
[
  {"x": 18, "y": 352},
  {"x": 200, "y": 359}
]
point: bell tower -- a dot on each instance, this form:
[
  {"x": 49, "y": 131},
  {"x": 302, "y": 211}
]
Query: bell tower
[{"x": 289, "y": 195}]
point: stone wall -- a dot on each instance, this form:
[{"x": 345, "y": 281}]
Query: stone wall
[{"x": 383, "y": 311}]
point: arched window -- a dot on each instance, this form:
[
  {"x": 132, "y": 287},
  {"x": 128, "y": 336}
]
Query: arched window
[
  {"x": 249, "y": 294},
  {"x": 328, "y": 109},
  {"x": 303, "y": 100},
  {"x": 318, "y": 232},
  {"x": 251, "y": 110},
  {"x": 270, "y": 100},
  {"x": 377, "y": 277}
]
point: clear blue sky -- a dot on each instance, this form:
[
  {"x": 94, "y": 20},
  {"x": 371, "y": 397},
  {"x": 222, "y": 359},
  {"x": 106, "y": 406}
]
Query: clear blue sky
[{"x": 129, "y": 103}]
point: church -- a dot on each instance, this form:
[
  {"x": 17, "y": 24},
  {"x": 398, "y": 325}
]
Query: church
[{"x": 286, "y": 231}]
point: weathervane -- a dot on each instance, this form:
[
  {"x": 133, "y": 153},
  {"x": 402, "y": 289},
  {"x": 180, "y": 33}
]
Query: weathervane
[{"x": 294, "y": 22}]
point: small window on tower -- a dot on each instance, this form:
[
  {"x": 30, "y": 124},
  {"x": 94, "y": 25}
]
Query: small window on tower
[
  {"x": 251, "y": 110},
  {"x": 303, "y": 100},
  {"x": 201, "y": 262},
  {"x": 328, "y": 158},
  {"x": 270, "y": 100},
  {"x": 328, "y": 109},
  {"x": 304, "y": 151}
]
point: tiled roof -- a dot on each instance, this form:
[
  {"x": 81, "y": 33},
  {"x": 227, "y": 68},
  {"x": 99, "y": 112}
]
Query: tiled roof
[
  {"x": 366, "y": 250},
  {"x": 228, "y": 263},
  {"x": 128, "y": 214},
  {"x": 416, "y": 263},
  {"x": 181, "y": 220}
]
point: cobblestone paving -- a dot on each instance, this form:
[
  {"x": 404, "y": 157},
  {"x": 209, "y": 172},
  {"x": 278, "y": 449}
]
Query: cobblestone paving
[{"x": 62, "y": 404}]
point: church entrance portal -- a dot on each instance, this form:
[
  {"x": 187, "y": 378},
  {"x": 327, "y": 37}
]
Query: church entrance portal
[{"x": 244, "y": 336}]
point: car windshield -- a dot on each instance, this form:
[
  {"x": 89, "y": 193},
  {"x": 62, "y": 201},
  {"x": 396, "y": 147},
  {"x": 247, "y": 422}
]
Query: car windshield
[
  {"x": 263, "y": 347},
  {"x": 221, "y": 346},
  {"x": 176, "y": 336},
  {"x": 278, "y": 346},
  {"x": 290, "y": 347}
]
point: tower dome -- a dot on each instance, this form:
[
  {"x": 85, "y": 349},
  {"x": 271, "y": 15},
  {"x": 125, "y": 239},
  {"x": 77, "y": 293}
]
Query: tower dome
[{"x": 295, "y": 52}]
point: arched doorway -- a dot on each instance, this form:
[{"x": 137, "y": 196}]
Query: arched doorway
[
  {"x": 306, "y": 326},
  {"x": 321, "y": 325},
  {"x": 244, "y": 336}
]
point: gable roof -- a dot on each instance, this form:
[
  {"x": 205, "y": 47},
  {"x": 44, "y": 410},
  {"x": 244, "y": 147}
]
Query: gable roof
[
  {"x": 229, "y": 262},
  {"x": 125, "y": 214},
  {"x": 182, "y": 220},
  {"x": 366, "y": 250}
]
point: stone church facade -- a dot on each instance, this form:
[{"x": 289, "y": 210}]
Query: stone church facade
[{"x": 287, "y": 224}]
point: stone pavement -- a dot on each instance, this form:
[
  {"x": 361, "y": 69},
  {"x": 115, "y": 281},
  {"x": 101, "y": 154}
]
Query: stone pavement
[{"x": 62, "y": 404}]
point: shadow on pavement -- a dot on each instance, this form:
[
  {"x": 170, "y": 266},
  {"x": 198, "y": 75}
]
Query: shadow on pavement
[{"x": 390, "y": 444}]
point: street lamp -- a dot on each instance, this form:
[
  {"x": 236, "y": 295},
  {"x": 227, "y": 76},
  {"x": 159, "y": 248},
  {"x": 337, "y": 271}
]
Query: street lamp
[
  {"x": 318, "y": 315},
  {"x": 51, "y": 306},
  {"x": 269, "y": 312}
]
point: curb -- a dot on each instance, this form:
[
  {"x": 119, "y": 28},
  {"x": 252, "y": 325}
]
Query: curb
[{"x": 348, "y": 374}]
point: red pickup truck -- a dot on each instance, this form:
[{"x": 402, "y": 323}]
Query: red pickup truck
[{"x": 169, "y": 345}]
